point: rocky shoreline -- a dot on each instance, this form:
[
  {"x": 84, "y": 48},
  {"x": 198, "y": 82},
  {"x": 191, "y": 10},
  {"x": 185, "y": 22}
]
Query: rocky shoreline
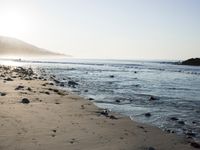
[{"x": 35, "y": 114}]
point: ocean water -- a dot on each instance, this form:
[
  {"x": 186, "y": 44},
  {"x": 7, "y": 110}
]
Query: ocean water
[{"x": 126, "y": 86}]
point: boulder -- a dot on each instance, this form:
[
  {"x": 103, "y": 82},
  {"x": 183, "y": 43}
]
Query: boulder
[{"x": 191, "y": 62}]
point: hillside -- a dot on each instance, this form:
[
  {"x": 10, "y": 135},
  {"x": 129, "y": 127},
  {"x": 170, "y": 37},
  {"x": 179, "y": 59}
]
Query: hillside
[{"x": 14, "y": 47}]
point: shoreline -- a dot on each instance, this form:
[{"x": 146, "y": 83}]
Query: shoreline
[{"x": 53, "y": 118}]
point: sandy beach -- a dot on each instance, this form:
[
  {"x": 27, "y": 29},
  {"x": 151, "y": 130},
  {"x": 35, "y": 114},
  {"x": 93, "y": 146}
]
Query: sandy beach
[{"x": 37, "y": 115}]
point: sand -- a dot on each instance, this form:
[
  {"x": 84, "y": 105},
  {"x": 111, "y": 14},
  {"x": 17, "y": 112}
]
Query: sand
[{"x": 57, "y": 119}]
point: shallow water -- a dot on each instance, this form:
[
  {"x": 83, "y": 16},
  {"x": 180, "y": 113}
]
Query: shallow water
[{"x": 126, "y": 87}]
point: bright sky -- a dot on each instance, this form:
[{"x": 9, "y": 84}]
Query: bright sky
[{"x": 125, "y": 29}]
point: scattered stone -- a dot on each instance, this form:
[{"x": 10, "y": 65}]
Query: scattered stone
[
  {"x": 195, "y": 145},
  {"x": 62, "y": 84},
  {"x": 113, "y": 117},
  {"x": 29, "y": 89},
  {"x": 152, "y": 98},
  {"x": 25, "y": 101},
  {"x": 20, "y": 87},
  {"x": 147, "y": 114},
  {"x": 54, "y": 130},
  {"x": 47, "y": 93},
  {"x": 151, "y": 148},
  {"x": 118, "y": 101},
  {"x": 2, "y": 94},
  {"x": 8, "y": 79},
  {"x": 181, "y": 122},
  {"x": 56, "y": 90},
  {"x": 104, "y": 112},
  {"x": 72, "y": 84},
  {"x": 112, "y": 76},
  {"x": 191, "y": 134},
  {"x": 174, "y": 118}
]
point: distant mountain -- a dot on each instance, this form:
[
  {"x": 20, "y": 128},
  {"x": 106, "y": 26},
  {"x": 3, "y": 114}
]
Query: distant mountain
[{"x": 14, "y": 47}]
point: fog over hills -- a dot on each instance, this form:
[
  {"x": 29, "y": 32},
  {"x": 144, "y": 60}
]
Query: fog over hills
[{"x": 11, "y": 47}]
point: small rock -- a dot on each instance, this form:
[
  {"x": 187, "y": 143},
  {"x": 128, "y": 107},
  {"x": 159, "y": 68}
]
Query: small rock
[
  {"x": 195, "y": 145},
  {"x": 72, "y": 84},
  {"x": 29, "y": 89},
  {"x": 181, "y": 122},
  {"x": 112, "y": 76},
  {"x": 47, "y": 93},
  {"x": 151, "y": 148},
  {"x": 25, "y": 101},
  {"x": 8, "y": 79},
  {"x": 91, "y": 99},
  {"x": 152, "y": 98},
  {"x": 147, "y": 114},
  {"x": 113, "y": 117},
  {"x": 2, "y": 94},
  {"x": 174, "y": 118},
  {"x": 19, "y": 87},
  {"x": 118, "y": 101},
  {"x": 62, "y": 84}
]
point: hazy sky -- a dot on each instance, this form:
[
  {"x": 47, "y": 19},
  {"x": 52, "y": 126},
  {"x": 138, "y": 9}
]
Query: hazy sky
[{"x": 126, "y": 29}]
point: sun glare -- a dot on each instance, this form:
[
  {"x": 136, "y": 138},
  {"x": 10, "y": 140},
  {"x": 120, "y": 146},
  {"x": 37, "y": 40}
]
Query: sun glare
[{"x": 13, "y": 22}]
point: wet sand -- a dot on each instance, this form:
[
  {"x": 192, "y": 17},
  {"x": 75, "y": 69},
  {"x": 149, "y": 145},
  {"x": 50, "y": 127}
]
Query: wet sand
[{"x": 37, "y": 115}]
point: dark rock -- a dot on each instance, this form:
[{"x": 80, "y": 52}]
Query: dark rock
[
  {"x": 113, "y": 117},
  {"x": 112, "y": 76},
  {"x": 151, "y": 148},
  {"x": 118, "y": 101},
  {"x": 195, "y": 145},
  {"x": 91, "y": 99},
  {"x": 191, "y": 134},
  {"x": 192, "y": 62},
  {"x": 104, "y": 112},
  {"x": 86, "y": 91},
  {"x": 62, "y": 84},
  {"x": 147, "y": 114},
  {"x": 72, "y": 83},
  {"x": 174, "y": 118},
  {"x": 2, "y": 94},
  {"x": 47, "y": 93},
  {"x": 152, "y": 98},
  {"x": 25, "y": 101},
  {"x": 29, "y": 89},
  {"x": 20, "y": 87},
  {"x": 8, "y": 79},
  {"x": 181, "y": 122}
]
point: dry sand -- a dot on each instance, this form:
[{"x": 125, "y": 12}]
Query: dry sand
[{"x": 56, "y": 119}]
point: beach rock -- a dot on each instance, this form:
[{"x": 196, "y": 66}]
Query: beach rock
[
  {"x": 8, "y": 79},
  {"x": 20, "y": 87},
  {"x": 147, "y": 114},
  {"x": 151, "y": 148},
  {"x": 25, "y": 101},
  {"x": 191, "y": 62},
  {"x": 195, "y": 145},
  {"x": 29, "y": 89},
  {"x": 112, "y": 76},
  {"x": 174, "y": 118},
  {"x": 117, "y": 100},
  {"x": 62, "y": 84},
  {"x": 181, "y": 122},
  {"x": 2, "y": 94},
  {"x": 72, "y": 83},
  {"x": 153, "y": 98},
  {"x": 113, "y": 117},
  {"x": 104, "y": 112},
  {"x": 91, "y": 99}
]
